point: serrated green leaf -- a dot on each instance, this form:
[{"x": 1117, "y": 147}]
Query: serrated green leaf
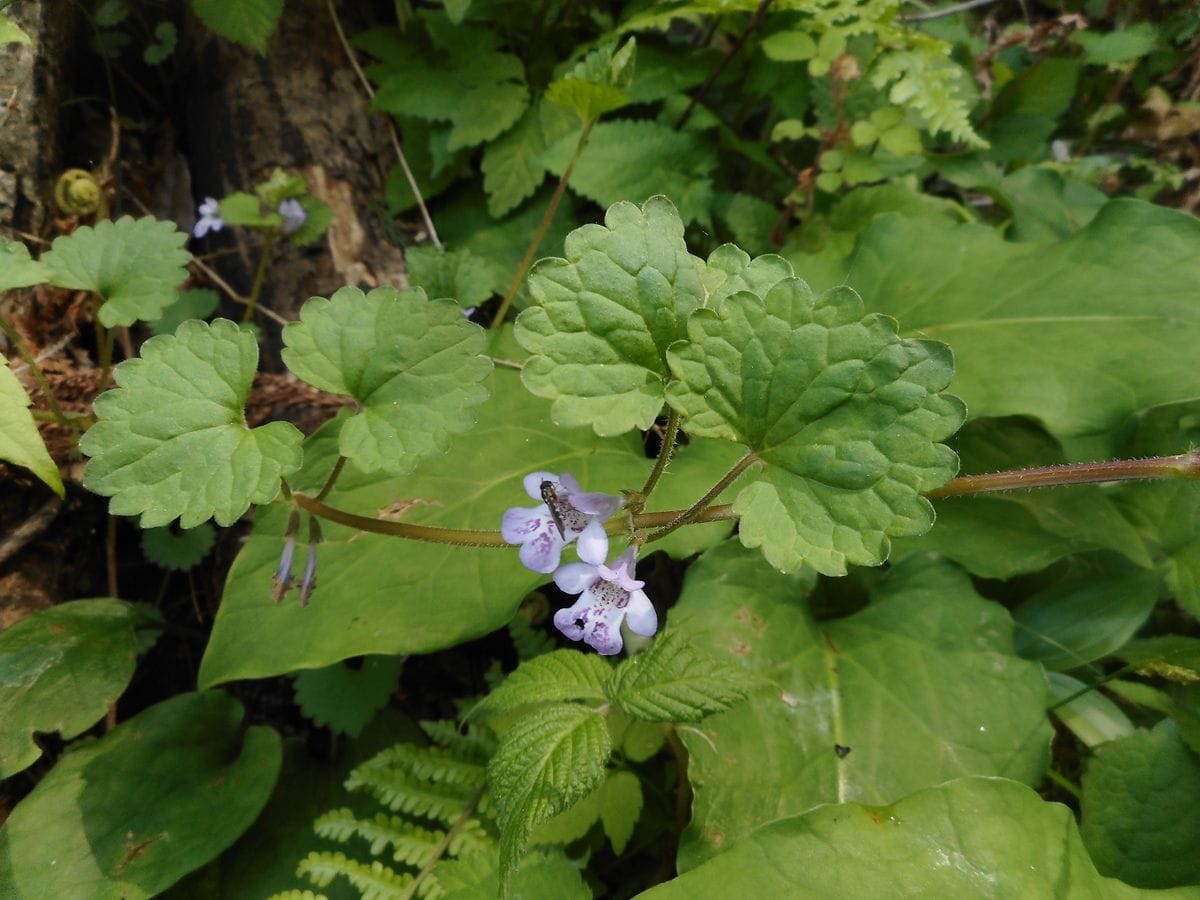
[
  {"x": 248, "y": 22},
  {"x": 620, "y": 808},
  {"x": 541, "y": 874},
  {"x": 1140, "y": 796},
  {"x": 596, "y": 84},
  {"x": 843, "y": 413},
  {"x": 157, "y": 797},
  {"x": 605, "y": 316},
  {"x": 135, "y": 265},
  {"x": 968, "y": 838},
  {"x": 11, "y": 32},
  {"x": 345, "y": 698},
  {"x": 512, "y": 166},
  {"x": 448, "y": 273},
  {"x": 673, "y": 682},
  {"x": 20, "y": 441},
  {"x": 59, "y": 671},
  {"x": 414, "y": 365},
  {"x": 195, "y": 303},
  {"x": 17, "y": 268},
  {"x": 918, "y": 687},
  {"x": 178, "y": 550},
  {"x": 548, "y": 760},
  {"x": 1123, "y": 45},
  {"x": 1090, "y": 716},
  {"x": 550, "y": 678},
  {"x": 171, "y": 440}
]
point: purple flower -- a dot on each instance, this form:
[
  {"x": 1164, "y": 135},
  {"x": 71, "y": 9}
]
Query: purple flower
[
  {"x": 567, "y": 513},
  {"x": 210, "y": 218},
  {"x": 608, "y": 596},
  {"x": 283, "y": 575},
  {"x": 293, "y": 216}
]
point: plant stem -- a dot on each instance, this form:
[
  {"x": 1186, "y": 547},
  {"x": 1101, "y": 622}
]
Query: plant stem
[
  {"x": 755, "y": 19},
  {"x": 333, "y": 477},
  {"x": 690, "y": 514},
  {"x": 462, "y": 537},
  {"x": 721, "y": 513},
  {"x": 39, "y": 376},
  {"x": 1185, "y": 465},
  {"x": 664, "y": 453},
  {"x": 444, "y": 844},
  {"x": 1063, "y": 782},
  {"x": 105, "y": 339},
  {"x": 259, "y": 276},
  {"x": 543, "y": 226}
]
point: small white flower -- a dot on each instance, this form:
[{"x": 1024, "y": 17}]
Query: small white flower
[
  {"x": 293, "y": 216},
  {"x": 210, "y": 218},
  {"x": 608, "y": 596},
  {"x": 542, "y": 532}
]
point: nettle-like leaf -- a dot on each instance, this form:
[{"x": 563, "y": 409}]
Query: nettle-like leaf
[
  {"x": 449, "y": 273},
  {"x": 171, "y": 441},
  {"x": 512, "y": 165},
  {"x": 17, "y": 268},
  {"x": 844, "y": 414},
  {"x": 248, "y": 22},
  {"x": 597, "y": 83},
  {"x": 552, "y": 677},
  {"x": 135, "y": 265},
  {"x": 674, "y": 682},
  {"x": 605, "y": 316},
  {"x": 345, "y": 698},
  {"x": 20, "y": 441},
  {"x": 414, "y": 365},
  {"x": 547, "y": 761},
  {"x": 180, "y": 550},
  {"x": 59, "y": 671}
]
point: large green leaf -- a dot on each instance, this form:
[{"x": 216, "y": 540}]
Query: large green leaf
[
  {"x": 919, "y": 687},
  {"x": 413, "y": 365},
  {"x": 1078, "y": 334},
  {"x": 135, "y": 265},
  {"x": 844, "y": 414},
  {"x": 59, "y": 671},
  {"x": 171, "y": 440},
  {"x": 606, "y": 314},
  {"x": 130, "y": 814},
  {"x": 385, "y": 595},
  {"x": 1140, "y": 796},
  {"x": 20, "y": 441},
  {"x": 248, "y": 22},
  {"x": 973, "y": 837},
  {"x": 17, "y": 268}
]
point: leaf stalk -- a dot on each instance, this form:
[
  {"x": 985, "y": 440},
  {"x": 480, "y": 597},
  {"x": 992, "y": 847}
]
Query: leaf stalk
[{"x": 1184, "y": 465}]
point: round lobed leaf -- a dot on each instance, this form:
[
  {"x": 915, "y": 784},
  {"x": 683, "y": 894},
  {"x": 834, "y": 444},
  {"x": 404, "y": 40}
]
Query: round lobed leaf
[
  {"x": 17, "y": 268},
  {"x": 171, "y": 441},
  {"x": 844, "y": 414},
  {"x": 414, "y": 365},
  {"x": 20, "y": 441}
]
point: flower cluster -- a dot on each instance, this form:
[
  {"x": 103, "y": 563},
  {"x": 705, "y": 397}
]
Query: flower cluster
[
  {"x": 608, "y": 595},
  {"x": 292, "y": 213}
]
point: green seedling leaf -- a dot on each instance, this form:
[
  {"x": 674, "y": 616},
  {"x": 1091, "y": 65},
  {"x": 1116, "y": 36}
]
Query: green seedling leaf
[
  {"x": 135, "y": 265},
  {"x": 156, "y": 797},
  {"x": 597, "y": 84},
  {"x": 969, "y": 837},
  {"x": 547, "y": 761},
  {"x": 20, "y": 441},
  {"x": 919, "y": 687},
  {"x": 250, "y": 22},
  {"x": 1091, "y": 717},
  {"x": 673, "y": 682},
  {"x": 171, "y": 441},
  {"x": 197, "y": 303},
  {"x": 165, "y": 39},
  {"x": 555, "y": 677},
  {"x": 605, "y": 316},
  {"x": 843, "y": 413},
  {"x": 11, "y": 32},
  {"x": 59, "y": 671},
  {"x": 17, "y": 268},
  {"x": 414, "y": 366},
  {"x": 248, "y": 210},
  {"x": 1140, "y": 796},
  {"x": 345, "y": 698},
  {"x": 178, "y": 551}
]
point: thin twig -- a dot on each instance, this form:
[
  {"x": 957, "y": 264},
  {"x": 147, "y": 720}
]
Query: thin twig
[
  {"x": 736, "y": 46},
  {"x": 945, "y": 11},
  {"x": 16, "y": 539},
  {"x": 233, "y": 295},
  {"x": 408, "y": 173}
]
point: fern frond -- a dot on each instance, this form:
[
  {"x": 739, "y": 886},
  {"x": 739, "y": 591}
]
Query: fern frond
[
  {"x": 297, "y": 895},
  {"x": 433, "y": 764},
  {"x": 476, "y": 745},
  {"x": 924, "y": 79},
  {"x": 472, "y": 837},
  {"x": 375, "y": 881},
  {"x": 401, "y": 793},
  {"x": 528, "y": 641}
]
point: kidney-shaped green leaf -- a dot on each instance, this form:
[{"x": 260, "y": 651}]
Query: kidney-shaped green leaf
[
  {"x": 845, "y": 415},
  {"x": 59, "y": 671},
  {"x": 135, "y": 265},
  {"x": 973, "y": 837},
  {"x": 171, "y": 440},
  {"x": 17, "y": 268},
  {"x": 919, "y": 687},
  {"x": 414, "y": 366},
  {"x": 20, "y": 442},
  {"x": 129, "y": 815}
]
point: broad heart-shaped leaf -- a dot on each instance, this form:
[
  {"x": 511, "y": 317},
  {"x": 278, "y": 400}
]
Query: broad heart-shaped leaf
[
  {"x": 546, "y": 761},
  {"x": 59, "y": 671},
  {"x": 1078, "y": 334},
  {"x": 17, "y": 268},
  {"x": 132, "y": 813},
  {"x": 248, "y": 22},
  {"x": 135, "y": 265},
  {"x": 971, "y": 837},
  {"x": 414, "y": 366},
  {"x": 1140, "y": 796},
  {"x": 379, "y": 594},
  {"x": 843, "y": 413},
  {"x": 171, "y": 441},
  {"x": 20, "y": 441},
  {"x": 606, "y": 314},
  {"x": 919, "y": 687}
]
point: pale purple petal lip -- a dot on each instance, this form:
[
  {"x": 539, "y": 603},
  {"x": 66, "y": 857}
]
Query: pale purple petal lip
[
  {"x": 609, "y": 595},
  {"x": 293, "y": 214},
  {"x": 574, "y": 578},
  {"x": 543, "y": 532},
  {"x": 210, "y": 218}
]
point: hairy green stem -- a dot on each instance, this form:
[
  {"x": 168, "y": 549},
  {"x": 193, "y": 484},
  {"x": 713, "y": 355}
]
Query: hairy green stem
[
  {"x": 1185, "y": 465},
  {"x": 260, "y": 275},
  {"x": 543, "y": 225},
  {"x": 106, "y": 340},
  {"x": 690, "y": 514},
  {"x": 670, "y": 435},
  {"x": 39, "y": 376}
]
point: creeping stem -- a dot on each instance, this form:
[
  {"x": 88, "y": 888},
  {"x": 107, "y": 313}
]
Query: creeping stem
[
  {"x": 689, "y": 514},
  {"x": 1185, "y": 465},
  {"x": 259, "y": 275}
]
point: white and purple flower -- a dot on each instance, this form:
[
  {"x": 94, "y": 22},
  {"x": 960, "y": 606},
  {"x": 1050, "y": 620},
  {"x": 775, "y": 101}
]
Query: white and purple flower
[
  {"x": 608, "y": 597},
  {"x": 293, "y": 216},
  {"x": 568, "y": 513},
  {"x": 210, "y": 218}
]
